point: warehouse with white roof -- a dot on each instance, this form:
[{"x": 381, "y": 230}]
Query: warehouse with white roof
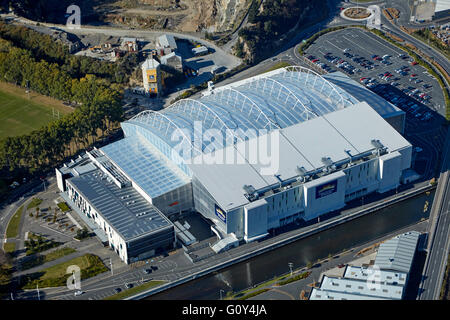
[{"x": 322, "y": 148}]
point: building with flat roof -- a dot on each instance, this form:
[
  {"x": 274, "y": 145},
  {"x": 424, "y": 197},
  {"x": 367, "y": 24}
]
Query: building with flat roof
[
  {"x": 261, "y": 153},
  {"x": 371, "y": 274},
  {"x": 386, "y": 279},
  {"x": 359, "y": 288},
  {"x": 319, "y": 294},
  {"x": 135, "y": 229}
]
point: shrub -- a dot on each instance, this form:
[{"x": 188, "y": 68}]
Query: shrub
[
  {"x": 63, "y": 206},
  {"x": 297, "y": 277}
]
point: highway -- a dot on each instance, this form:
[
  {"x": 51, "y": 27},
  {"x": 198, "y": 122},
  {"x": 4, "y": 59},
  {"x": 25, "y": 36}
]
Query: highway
[{"x": 438, "y": 245}]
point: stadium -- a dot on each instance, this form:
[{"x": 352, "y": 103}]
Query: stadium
[{"x": 331, "y": 141}]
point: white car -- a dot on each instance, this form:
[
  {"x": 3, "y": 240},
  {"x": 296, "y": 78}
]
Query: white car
[{"x": 78, "y": 293}]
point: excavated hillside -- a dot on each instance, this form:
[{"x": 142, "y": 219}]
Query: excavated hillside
[{"x": 177, "y": 15}]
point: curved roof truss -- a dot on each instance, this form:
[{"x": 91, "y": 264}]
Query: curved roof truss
[
  {"x": 263, "y": 83},
  {"x": 300, "y": 71},
  {"x": 162, "y": 123},
  {"x": 226, "y": 95}
]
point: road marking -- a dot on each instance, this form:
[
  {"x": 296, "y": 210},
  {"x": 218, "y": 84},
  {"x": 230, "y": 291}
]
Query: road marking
[
  {"x": 283, "y": 292},
  {"x": 334, "y": 45}
]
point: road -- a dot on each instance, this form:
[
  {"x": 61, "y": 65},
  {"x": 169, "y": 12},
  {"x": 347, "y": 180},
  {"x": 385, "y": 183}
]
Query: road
[
  {"x": 436, "y": 55},
  {"x": 294, "y": 289},
  {"x": 221, "y": 56},
  {"x": 438, "y": 246}
]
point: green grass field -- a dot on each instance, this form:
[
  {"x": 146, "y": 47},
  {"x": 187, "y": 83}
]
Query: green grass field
[
  {"x": 20, "y": 114},
  {"x": 135, "y": 290},
  {"x": 12, "y": 230},
  {"x": 56, "y": 276}
]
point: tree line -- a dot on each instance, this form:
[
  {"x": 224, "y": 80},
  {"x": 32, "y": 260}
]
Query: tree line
[
  {"x": 44, "y": 47},
  {"x": 271, "y": 19},
  {"x": 98, "y": 110}
]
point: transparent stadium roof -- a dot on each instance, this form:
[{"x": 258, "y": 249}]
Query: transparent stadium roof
[
  {"x": 346, "y": 84},
  {"x": 145, "y": 165},
  {"x": 276, "y": 99}
]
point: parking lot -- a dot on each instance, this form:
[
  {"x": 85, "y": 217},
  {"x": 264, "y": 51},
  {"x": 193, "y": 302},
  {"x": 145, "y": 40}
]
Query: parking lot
[
  {"x": 393, "y": 75},
  {"x": 379, "y": 66}
]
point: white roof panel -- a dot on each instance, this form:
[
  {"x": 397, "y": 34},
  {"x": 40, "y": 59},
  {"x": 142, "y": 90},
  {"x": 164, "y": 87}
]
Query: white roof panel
[
  {"x": 359, "y": 124},
  {"x": 316, "y": 139}
]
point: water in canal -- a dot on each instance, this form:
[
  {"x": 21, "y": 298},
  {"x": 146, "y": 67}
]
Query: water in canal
[{"x": 318, "y": 246}]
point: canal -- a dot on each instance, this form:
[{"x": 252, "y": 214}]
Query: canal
[{"x": 274, "y": 263}]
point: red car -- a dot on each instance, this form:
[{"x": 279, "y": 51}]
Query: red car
[
  {"x": 362, "y": 79},
  {"x": 414, "y": 75},
  {"x": 414, "y": 63},
  {"x": 341, "y": 265},
  {"x": 315, "y": 60}
]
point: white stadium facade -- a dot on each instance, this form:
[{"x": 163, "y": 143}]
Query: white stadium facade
[{"x": 334, "y": 143}]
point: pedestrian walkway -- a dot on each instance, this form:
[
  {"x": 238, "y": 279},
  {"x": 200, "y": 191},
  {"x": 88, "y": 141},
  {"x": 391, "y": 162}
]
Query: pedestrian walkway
[{"x": 91, "y": 224}]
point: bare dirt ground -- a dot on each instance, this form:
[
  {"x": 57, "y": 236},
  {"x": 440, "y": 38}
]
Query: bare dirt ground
[{"x": 176, "y": 15}]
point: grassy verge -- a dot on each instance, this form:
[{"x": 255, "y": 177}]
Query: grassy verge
[
  {"x": 90, "y": 265},
  {"x": 279, "y": 65},
  {"x": 12, "y": 230},
  {"x": 427, "y": 37},
  {"x": 297, "y": 277},
  {"x": 135, "y": 290},
  {"x": 259, "y": 287},
  {"x": 34, "y": 203},
  {"x": 63, "y": 206},
  {"x": 253, "y": 294},
  {"x": 9, "y": 247},
  {"x": 41, "y": 259}
]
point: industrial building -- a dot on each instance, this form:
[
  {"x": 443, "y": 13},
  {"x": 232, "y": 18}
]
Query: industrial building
[
  {"x": 173, "y": 60},
  {"x": 151, "y": 74},
  {"x": 327, "y": 147},
  {"x": 166, "y": 44},
  {"x": 385, "y": 280}
]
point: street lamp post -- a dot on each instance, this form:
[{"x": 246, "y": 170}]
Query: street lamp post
[
  {"x": 110, "y": 262},
  {"x": 220, "y": 291},
  {"x": 37, "y": 288},
  {"x": 291, "y": 265}
]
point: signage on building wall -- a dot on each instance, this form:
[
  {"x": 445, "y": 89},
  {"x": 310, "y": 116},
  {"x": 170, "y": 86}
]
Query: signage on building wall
[
  {"x": 326, "y": 189},
  {"x": 220, "y": 213}
]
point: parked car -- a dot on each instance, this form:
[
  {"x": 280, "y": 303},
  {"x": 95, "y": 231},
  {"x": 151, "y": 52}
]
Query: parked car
[{"x": 78, "y": 293}]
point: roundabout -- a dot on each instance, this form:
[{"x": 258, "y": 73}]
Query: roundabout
[{"x": 357, "y": 13}]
